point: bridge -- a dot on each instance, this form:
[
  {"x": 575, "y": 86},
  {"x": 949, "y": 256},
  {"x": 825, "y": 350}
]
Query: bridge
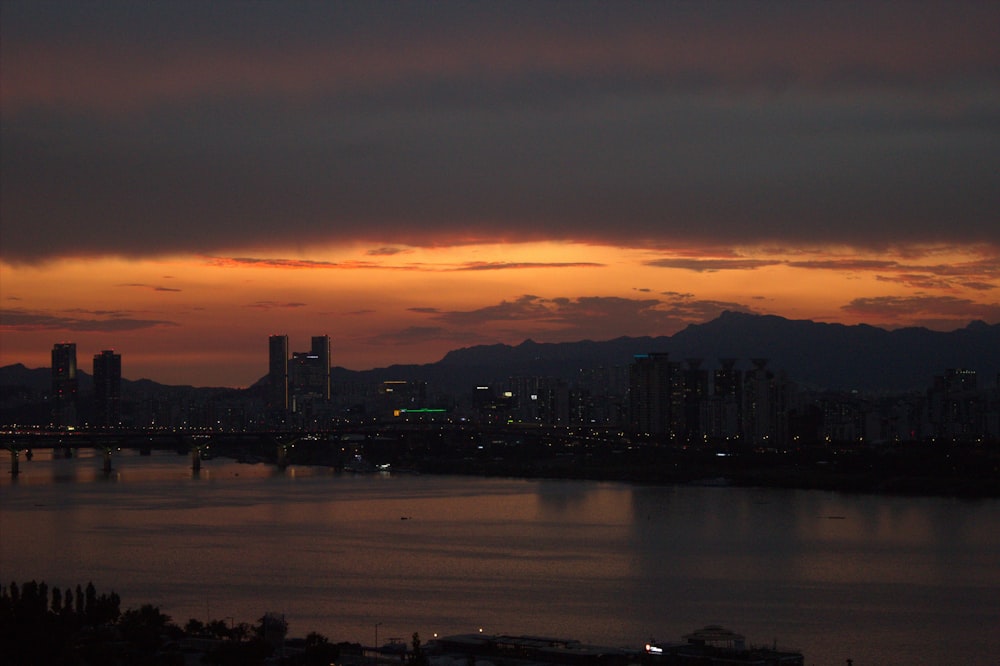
[{"x": 332, "y": 447}]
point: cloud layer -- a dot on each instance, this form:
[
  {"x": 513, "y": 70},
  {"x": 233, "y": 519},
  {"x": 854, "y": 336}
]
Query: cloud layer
[{"x": 155, "y": 129}]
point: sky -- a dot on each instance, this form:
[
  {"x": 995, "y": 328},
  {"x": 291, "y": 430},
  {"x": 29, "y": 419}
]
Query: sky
[{"x": 180, "y": 180}]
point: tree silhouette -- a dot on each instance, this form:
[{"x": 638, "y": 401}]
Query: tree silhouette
[
  {"x": 194, "y": 627},
  {"x": 143, "y": 628},
  {"x": 417, "y": 657},
  {"x": 218, "y": 629},
  {"x": 272, "y": 629},
  {"x": 57, "y": 601}
]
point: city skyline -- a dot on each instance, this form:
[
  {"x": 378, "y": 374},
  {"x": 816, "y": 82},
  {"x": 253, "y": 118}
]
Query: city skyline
[{"x": 181, "y": 180}]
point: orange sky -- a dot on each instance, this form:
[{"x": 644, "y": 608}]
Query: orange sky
[
  {"x": 179, "y": 180},
  {"x": 205, "y": 319}
]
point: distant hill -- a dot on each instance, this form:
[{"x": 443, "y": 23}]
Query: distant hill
[
  {"x": 845, "y": 357},
  {"x": 39, "y": 381},
  {"x": 816, "y": 355}
]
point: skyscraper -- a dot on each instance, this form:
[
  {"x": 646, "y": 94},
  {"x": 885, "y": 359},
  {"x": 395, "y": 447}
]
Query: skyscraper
[
  {"x": 107, "y": 388},
  {"x": 321, "y": 349},
  {"x": 310, "y": 371},
  {"x": 277, "y": 373},
  {"x": 64, "y": 383},
  {"x": 656, "y": 395}
]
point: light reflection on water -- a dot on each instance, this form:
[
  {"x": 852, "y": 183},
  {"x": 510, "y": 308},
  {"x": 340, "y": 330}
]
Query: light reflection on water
[{"x": 875, "y": 579}]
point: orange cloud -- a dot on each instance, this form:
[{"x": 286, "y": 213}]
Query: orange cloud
[{"x": 100, "y": 321}]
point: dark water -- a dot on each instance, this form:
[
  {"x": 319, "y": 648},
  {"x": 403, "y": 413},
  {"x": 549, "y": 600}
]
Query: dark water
[{"x": 880, "y": 580}]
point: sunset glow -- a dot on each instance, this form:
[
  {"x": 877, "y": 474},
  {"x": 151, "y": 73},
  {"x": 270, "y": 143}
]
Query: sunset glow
[
  {"x": 204, "y": 319},
  {"x": 178, "y": 187}
]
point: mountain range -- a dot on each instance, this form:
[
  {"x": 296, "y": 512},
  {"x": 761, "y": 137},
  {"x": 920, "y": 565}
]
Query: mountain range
[{"x": 815, "y": 355}]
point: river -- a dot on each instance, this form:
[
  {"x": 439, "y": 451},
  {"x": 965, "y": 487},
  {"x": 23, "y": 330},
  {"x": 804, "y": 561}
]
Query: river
[{"x": 876, "y": 579}]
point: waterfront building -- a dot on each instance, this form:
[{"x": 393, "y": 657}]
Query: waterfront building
[
  {"x": 277, "y": 373},
  {"x": 656, "y": 395},
  {"x": 64, "y": 384},
  {"x": 309, "y": 374},
  {"x": 107, "y": 388}
]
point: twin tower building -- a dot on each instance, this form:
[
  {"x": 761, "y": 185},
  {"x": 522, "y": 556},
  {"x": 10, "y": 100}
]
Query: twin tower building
[{"x": 300, "y": 378}]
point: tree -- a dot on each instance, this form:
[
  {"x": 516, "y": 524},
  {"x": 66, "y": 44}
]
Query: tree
[
  {"x": 418, "y": 658},
  {"x": 240, "y": 632},
  {"x": 272, "y": 629},
  {"x": 194, "y": 627},
  {"x": 143, "y": 627},
  {"x": 218, "y": 629},
  {"x": 319, "y": 651},
  {"x": 57, "y": 601}
]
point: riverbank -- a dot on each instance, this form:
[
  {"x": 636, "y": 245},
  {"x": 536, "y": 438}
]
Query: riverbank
[{"x": 964, "y": 472}]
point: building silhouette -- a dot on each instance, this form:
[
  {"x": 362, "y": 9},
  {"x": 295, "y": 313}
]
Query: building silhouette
[
  {"x": 64, "y": 384},
  {"x": 310, "y": 371},
  {"x": 656, "y": 395},
  {"x": 107, "y": 388},
  {"x": 277, "y": 373},
  {"x": 300, "y": 383}
]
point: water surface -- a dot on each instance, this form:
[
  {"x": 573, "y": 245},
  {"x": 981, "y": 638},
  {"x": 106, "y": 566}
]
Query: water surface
[{"x": 887, "y": 580}]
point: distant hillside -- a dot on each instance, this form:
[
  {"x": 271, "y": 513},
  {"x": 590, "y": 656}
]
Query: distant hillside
[
  {"x": 817, "y": 355},
  {"x": 813, "y": 354},
  {"x": 39, "y": 381},
  {"x": 845, "y": 357}
]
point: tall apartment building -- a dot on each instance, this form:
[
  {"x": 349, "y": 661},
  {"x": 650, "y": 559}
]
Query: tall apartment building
[
  {"x": 64, "y": 384},
  {"x": 309, "y": 374},
  {"x": 107, "y": 388},
  {"x": 656, "y": 395},
  {"x": 300, "y": 378},
  {"x": 723, "y": 416},
  {"x": 277, "y": 372}
]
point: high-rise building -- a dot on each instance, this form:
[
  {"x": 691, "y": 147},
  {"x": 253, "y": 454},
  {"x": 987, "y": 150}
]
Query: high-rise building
[
  {"x": 277, "y": 372},
  {"x": 724, "y": 418},
  {"x": 310, "y": 371},
  {"x": 107, "y": 388},
  {"x": 303, "y": 377},
  {"x": 321, "y": 350},
  {"x": 656, "y": 395},
  {"x": 64, "y": 383}
]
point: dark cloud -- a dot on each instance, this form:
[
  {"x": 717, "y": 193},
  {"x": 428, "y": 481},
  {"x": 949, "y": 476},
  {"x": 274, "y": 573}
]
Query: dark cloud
[
  {"x": 594, "y": 317},
  {"x": 105, "y": 321},
  {"x": 524, "y": 308},
  {"x": 507, "y": 265},
  {"x": 845, "y": 264},
  {"x": 922, "y": 308},
  {"x": 149, "y": 286},
  {"x": 273, "y": 263},
  {"x": 915, "y": 281},
  {"x": 199, "y": 127},
  {"x": 386, "y": 251},
  {"x": 972, "y": 274},
  {"x": 712, "y": 265},
  {"x": 273, "y": 305}
]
